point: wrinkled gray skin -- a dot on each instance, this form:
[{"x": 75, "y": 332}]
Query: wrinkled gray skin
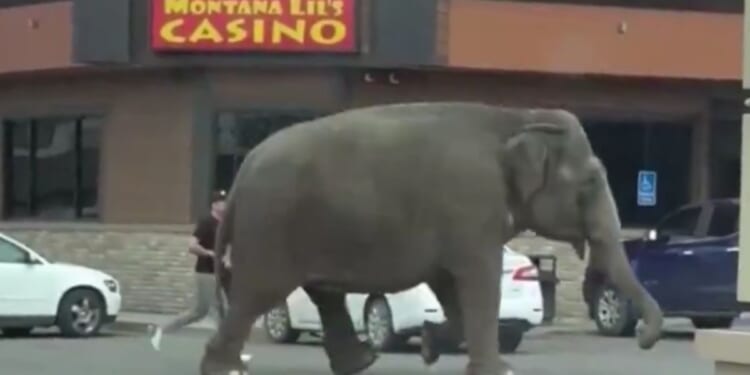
[{"x": 380, "y": 199}]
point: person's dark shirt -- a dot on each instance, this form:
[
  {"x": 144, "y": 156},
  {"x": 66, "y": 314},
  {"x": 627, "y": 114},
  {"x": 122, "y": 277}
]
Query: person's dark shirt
[{"x": 205, "y": 232}]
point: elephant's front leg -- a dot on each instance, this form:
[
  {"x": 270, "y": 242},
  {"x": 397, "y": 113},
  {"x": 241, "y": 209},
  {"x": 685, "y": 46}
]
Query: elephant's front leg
[
  {"x": 438, "y": 338},
  {"x": 346, "y": 353},
  {"x": 478, "y": 284}
]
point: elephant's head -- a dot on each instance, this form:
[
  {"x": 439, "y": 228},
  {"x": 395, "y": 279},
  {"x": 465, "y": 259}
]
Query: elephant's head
[{"x": 559, "y": 189}]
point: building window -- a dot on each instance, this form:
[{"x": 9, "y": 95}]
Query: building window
[
  {"x": 51, "y": 168},
  {"x": 626, "y": 148},
  {"x": 236, "y": 133}
]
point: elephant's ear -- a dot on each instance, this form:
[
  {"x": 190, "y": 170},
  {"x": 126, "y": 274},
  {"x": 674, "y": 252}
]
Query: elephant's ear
[{"x": 527, "y": 158}]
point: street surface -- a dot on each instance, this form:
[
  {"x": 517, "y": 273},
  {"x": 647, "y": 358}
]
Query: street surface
[{"x": 540, "y": 354}]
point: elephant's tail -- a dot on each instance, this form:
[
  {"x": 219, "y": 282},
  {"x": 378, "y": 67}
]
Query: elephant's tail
[{"x": 222, "y": 240}]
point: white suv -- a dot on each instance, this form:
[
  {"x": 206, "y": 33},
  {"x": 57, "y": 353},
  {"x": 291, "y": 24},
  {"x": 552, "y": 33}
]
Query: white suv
[
  {"x": 35, "y": 292},
  {"x": 390, "y": 320}
]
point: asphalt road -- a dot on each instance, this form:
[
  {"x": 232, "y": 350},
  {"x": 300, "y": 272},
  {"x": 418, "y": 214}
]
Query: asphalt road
[{"x": 545, "y": 354}]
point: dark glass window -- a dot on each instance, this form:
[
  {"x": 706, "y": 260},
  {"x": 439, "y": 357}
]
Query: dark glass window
[
  {"x": 724, "y": 220},
  {"x": 10, "y": 253},
  {"x": 681, "y": 223},
  {"x": 51, "y": 168},
  {"x": 236, "y": 133},
  {"x": 626, "y": 148}
]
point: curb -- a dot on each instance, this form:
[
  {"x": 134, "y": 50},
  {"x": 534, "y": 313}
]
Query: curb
[
  {"x": 145, "y": 328},
  {"x": 141, "y": 327}
]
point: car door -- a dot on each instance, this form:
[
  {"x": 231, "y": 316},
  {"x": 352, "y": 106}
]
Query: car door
[
  {"x": 24, "y": 285},
  {"x": 714, "y": 277},
  {"x": 303, "y": 309},
  {"x": 664, "y": 265}
]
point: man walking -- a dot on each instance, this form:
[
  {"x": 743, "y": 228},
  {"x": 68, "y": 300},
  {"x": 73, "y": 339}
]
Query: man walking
[{"x": 201, "y": 245}]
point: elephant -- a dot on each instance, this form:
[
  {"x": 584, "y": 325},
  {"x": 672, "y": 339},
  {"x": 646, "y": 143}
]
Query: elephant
[{"x": 379, "y": 199}]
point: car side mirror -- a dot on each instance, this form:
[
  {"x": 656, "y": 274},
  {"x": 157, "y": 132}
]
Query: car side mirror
[
  {"x": 30, "y": 260},
  {"x": 653, "y": 235}
]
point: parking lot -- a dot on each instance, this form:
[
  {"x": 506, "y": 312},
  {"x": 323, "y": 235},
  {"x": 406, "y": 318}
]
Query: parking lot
[{"x": 543, "y": 353}]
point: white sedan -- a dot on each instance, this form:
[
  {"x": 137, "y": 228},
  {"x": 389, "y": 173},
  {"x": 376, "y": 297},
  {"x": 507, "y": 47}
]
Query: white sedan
[
  {"x": 390, "y": 320},
  {"x": 35, "y": 292}
]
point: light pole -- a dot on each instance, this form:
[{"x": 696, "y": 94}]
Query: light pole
[
  {"x": 743, "y": 272},
  {"x": 729, "y": 349}
]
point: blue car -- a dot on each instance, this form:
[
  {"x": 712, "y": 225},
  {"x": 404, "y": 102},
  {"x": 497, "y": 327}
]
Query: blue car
[{"x": 688, "y": 262}]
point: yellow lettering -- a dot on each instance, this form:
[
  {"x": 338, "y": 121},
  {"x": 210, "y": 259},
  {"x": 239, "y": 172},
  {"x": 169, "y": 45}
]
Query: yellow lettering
[
  {"x": 244, "y": 8},
  {"x": 206, "y": 31},
  {"x": 168, "y": 31},
  {"x": 319, "y": 8},
  {"x": 338, "y": 7},
  {"x": 214, "y": 7},
  {"x": 236, "y": 30},
  {"x": 328, "y": 32},
  {"x": 274, "y": 8},
  {"x": 175, "y": 6},
  {"x": 231, "y": 7},
  {"x": 259, "y": 7},
  {"x": 198, "y": 7},
  {"x": 296, "y": 33},
  {"x": 295, "y": 8},
  {"x": 259, "y": 31}
]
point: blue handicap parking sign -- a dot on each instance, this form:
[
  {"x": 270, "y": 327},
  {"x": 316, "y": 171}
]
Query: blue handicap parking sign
[{"x": 646, "y": 188}]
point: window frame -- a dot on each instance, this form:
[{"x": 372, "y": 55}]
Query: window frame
[
  {"x": 712, "y": 210},
  {"x": 31, "y": 212},
  {"x": 700, "y": 225},
  {"x": 306, "y": 113},
  {"x": 26, "y": 256}
]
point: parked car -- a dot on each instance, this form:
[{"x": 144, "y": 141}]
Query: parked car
[
  {"x": 390, "y": 320},
  {"x": 688, "y": 262},
  {"x": 35, "y": 292}
]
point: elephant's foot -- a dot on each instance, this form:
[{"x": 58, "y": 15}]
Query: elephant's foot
[
  {"x": 215, "y": 365},
  {"x": 430, "y": 343},
  {"x": 352, "y": 359},
  {"x": 437, "y": 339},
  {"x": 496, "y": 367}
]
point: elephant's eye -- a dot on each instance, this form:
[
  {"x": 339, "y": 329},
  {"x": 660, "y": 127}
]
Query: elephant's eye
[{"x": 587, "y": 189}]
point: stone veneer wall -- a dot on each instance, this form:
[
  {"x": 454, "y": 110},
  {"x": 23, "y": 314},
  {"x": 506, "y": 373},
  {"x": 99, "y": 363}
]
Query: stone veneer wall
[
  {"x": 151, "y": 263},
  {"x": 155, "y": 269}
]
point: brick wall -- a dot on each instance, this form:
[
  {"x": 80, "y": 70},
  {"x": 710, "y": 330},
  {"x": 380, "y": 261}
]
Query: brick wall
[{"x": 155, "y": 269}]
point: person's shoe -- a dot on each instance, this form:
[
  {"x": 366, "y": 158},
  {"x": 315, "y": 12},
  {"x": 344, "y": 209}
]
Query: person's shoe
[
  {"x": 245, "y": 357},
  {"x": 156, "y": 338}
]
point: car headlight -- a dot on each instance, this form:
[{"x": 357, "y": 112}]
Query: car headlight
[{"x": 111, "y": 285}]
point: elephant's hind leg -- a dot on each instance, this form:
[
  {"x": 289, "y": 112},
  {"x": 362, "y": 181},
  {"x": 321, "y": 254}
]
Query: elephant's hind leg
[
  {"x": 440, "y": 338},
  {"x": 247, "y": 303},
  {"x": 346, "y": 353}
]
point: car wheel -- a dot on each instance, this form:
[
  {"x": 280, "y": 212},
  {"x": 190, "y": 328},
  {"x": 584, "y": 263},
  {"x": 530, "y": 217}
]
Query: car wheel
[
  {"x": 17, "y": 331},
  {"x": 278, "y": 325},
  {"x": 80, "y": 313},
  {"x": 510, "y": 339},
  {"x": 379, "y": 325},
  {"x": 712, "y": 323},
  {"x": 614, "y": 315}
]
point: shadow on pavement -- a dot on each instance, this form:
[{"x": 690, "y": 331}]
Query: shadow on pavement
[{"x": 57, "y": 335}]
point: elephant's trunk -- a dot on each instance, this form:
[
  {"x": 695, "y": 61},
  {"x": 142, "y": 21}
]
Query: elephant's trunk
[{"x": 607, "y": 253}]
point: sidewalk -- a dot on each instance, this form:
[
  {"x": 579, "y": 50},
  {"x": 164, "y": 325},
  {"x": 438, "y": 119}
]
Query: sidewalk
[{"x": 140, "y": 322}]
